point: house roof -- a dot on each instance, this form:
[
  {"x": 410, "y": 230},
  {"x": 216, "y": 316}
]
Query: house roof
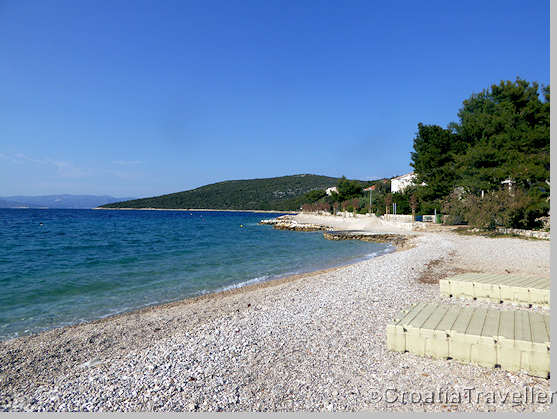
[{"x": 401, "y": 176}]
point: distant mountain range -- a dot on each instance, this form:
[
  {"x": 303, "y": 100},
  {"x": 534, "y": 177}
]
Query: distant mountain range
[
  {"x": 277, "y": 193},
  {"x": 57, "y": 201}
]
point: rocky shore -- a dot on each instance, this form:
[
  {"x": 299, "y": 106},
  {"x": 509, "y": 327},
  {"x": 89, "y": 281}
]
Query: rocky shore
[
  {"x": 312, "y": 342},
  {"x": 399, "y": 240},
  {"x": 286, "y": 222}
]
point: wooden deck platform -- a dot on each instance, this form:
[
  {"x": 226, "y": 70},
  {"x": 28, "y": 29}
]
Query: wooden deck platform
[
  {"x": 513, "y": 340},
  {"x": 498, "y": 288}
]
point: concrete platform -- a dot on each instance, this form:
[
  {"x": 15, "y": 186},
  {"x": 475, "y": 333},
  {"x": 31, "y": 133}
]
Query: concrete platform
[
  {"x": 513, "y": 340},
  {"x": 498, "y": 288}
]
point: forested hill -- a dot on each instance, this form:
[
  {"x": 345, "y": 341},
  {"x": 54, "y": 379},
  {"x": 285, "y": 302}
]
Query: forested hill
[{"x": 277, "y": 193}]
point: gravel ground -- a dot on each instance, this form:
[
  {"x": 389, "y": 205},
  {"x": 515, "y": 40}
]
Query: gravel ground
[
  {"x": 313, "y": 342},
  {"x": 511, "y": 254}
]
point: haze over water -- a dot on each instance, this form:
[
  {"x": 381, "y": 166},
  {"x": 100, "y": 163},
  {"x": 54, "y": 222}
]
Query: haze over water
[{"x": 60, "y": 267}]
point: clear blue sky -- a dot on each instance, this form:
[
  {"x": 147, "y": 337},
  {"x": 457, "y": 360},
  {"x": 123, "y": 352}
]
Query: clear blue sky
[{"x": 137, "y": 98}]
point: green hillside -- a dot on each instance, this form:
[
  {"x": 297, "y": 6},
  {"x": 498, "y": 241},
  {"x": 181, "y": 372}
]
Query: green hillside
[{"x": 278, "y": 193}]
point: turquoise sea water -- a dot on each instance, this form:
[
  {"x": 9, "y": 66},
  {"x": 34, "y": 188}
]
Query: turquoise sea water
[{"x": 60, "y": 267}]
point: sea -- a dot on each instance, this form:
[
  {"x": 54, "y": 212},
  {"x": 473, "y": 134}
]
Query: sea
[{"x": 64, "y": 266}]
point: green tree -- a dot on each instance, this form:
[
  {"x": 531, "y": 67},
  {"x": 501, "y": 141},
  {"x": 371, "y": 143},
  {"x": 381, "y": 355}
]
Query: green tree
[
  {"x": 348, "y": 189},
  {"x": 506, "y": 128},
  {"x": 433, "y": 159},
  {"x": 402, "y": 201},
  {"x": 315, "y": 195},
  {"x": 502, "y": 133}
]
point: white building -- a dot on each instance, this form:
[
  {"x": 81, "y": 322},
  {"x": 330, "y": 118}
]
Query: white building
[
  {"x": 400, "y": 183},
  {"x": 330, "y": 190}
]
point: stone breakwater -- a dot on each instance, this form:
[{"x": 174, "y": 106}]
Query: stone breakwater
[
  {"x": 286, "y": 223},
  {"x": 399, "y": 240}
]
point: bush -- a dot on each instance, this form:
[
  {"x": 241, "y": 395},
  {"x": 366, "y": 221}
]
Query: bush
[
  {"x": 501, "y": 208},
  {"x": 454, "y": 220}
]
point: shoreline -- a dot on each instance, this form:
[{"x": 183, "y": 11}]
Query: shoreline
[
  {"x": 216, "y": 294},
  {"x": 398, "y": 242},
  {"x": 313, "y": 341},
  {"x": 197, "y": 210}
]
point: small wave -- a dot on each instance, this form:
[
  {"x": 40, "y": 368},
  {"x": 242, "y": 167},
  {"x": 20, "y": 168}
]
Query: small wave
[
  {"x": 245, "y": 283},
  {"x": 264, "y": 278},
  {"x": 381, "y": 252}
]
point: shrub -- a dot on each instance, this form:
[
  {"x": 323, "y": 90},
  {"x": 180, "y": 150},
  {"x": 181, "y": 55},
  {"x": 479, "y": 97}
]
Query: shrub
[
  {"x": 500, "y": 208},
  {"x": 388, "y": 202},
  {"x": 355, "y": 204},
  {"x": 323, "y": 206}
]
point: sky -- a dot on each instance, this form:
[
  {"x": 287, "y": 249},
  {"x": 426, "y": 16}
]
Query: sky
[{"x": 141, "y": 98}]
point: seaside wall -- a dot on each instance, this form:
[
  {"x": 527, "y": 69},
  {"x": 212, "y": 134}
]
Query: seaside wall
[{"x": 544, "y": 235}]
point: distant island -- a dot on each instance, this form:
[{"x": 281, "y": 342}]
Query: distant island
[
  {"x": 284, "y": 193},
  {"x": 64, "y": 201}
]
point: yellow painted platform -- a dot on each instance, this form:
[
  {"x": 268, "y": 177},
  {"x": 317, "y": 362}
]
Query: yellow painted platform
[
  {"x": 498, "y": 288},
  {"x": 513, "y": 340}
]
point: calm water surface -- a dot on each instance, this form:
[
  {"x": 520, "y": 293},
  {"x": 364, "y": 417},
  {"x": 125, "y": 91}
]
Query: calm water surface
[{"x": 60, "y": 267}]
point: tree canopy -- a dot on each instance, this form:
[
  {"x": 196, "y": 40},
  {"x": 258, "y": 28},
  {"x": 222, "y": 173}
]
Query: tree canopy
[
  {"x": 502, "y": 134},
  {"x": 349, "y": 189},
  {"x": 507, "y": 130},
  {"x": 433, "y": 159}
]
